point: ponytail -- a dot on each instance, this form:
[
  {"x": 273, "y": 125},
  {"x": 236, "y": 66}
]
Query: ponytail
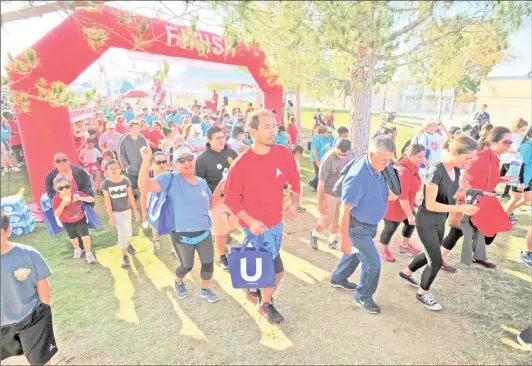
[{"x": 496, "y": 134}]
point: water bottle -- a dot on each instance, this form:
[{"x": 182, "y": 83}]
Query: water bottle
[
  {"x": 225, "y": 173},
  {"x": 515, "y": 168}
]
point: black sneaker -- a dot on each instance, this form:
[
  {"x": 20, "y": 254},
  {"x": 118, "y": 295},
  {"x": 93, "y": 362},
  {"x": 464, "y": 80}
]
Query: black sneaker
[
  {"x": 269, "y": 311},
  {"x": 506, "y": 197},
  {"x": 486, "y": 264},
  {"x": 254, "y": 297},
  {"x": 312, "y": 189},
  {"x": 368, "y": 305},
  {"x": 429, "y": 302},
  {"x": 313, "y": 241},
  {"x": 131, "y": 250},
  {"x": 224, "y": 263},
  {"x": 525, "y": 337},
  {"x": 125, "y": 261},
  {"x": 345, "y": 284},
  {"x": 411, "y": 279},
  {"x": 446, "y": 267}
]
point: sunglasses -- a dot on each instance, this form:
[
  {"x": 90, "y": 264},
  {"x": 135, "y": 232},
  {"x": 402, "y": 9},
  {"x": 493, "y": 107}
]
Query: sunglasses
[
  {"x": 160, "y": 162},
  {"x": 59, "y": 161},
  {"x": 507, "y": 142},
  {"x": 186, "y": 158},
  {"x": 68, "y": 186}
]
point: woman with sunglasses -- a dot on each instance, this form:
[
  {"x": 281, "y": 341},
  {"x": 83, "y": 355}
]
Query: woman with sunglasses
[
  {"x": 159, "y": 166},
  {"x": 78, "y": 177},
  {"x": 483, "y": 174},
  {"x": 190, "y": 199},
  {"x": 69, "y": 210}
]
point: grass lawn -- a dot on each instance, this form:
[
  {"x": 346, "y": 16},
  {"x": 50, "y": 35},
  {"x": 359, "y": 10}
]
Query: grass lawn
[{"x": 104, "y": 314}]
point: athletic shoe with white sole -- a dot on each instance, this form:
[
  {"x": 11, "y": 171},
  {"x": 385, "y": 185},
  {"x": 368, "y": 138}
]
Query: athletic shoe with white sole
[
  {"x": 180, "y": 290},
  {"x": 269, "y": 311},
  {"x": 525, "y": 337},
  {"x": 207, "y": 294},
  {"x": 313, "y": 241},
  {"x": 77, "y": 254},
  {"x": 412, "y": 281},
  {"x": 345, "y": 284},
  {"x": 526, "y": 257},
  {"x": 428, "y": 301},
  {"x": 368, "y": 305}
]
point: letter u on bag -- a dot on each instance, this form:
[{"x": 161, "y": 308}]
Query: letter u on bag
[{"x": 244, "y": 272}]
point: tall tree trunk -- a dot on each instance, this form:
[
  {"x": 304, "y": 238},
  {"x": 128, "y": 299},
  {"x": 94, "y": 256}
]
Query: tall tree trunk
[
  {"x": 440, "y": 106},
  {"x": 453, "y": 105},
  {"x": 384, "y": 98},
  {"x": 298, "y": 116},
  {"x": 345, "y": 98},
  {"x": 361, "y": 92}
]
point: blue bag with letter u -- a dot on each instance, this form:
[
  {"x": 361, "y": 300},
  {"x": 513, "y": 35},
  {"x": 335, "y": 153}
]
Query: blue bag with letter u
[
  {"x": 53, "y": 225},
  {"x": 251, "y": 267},
  {"x": 92, "y": 217},
  {"x": 160, "y": 215}
]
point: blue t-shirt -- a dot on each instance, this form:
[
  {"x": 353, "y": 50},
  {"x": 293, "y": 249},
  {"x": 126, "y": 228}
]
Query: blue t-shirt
[
  {"x": 318, "y": 142},
  {"x": 149, "y": 119},
  {"x": 169, "y": 120},
  {"x": 365, "y": 189},
  {"x": 281, "y": 140},
  {"x": 128, "y": 115},
  {"x": 6, "y": 131},
  {"x": 190, "y": 202},
  {"x": 21, "y": 268},
  {"x": 205, "y": 127},
  {"x": 329, "y": 144}
]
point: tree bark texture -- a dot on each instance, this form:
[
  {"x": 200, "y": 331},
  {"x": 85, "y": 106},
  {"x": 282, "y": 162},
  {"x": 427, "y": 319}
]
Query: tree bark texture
[{"x": 298, "y": 116}]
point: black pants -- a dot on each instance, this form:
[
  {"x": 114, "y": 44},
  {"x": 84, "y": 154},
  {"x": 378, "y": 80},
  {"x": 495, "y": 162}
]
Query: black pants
[
  {"x": 17, "y": 150},
  {"x": 314, "y": 182},
  {"x": 455, "y": 234},
  {"x": 504, "y": 169},
  {"x": 431, "y": 238},
  {"x": 391, "y": 226}
]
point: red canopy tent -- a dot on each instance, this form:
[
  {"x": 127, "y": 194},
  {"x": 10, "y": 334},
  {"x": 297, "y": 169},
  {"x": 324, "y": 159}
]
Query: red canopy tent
[{"x": 135, "y": 94}]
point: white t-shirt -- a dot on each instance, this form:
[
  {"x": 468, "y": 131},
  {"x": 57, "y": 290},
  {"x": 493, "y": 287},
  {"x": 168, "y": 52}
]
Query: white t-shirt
[
  {"x": 197, "y": 143},
  {"x": 517, "y": 139},
  {"x": 235, "y": 145},
  {"x": 433, "y": 143},
  {"x": 90, "y": 156}
]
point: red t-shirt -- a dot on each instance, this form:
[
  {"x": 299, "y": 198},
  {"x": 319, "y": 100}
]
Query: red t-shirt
[
  {"x": 145, "y": 132},
  {"x": 73, "y": 212},
  {"x": 122, "y": 128},
  {"x": 410, "y": 183},
  {"x": 484, "y": 166},
  {"x": 15, "y": 135},
  {"x": 154, "y": 137},
  {"x": 292, "y": 132},
  {"x": 256, "y": 184}
]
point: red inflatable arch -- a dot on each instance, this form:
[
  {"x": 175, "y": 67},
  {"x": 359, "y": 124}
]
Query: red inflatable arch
[{"x": 64, "y": 54}]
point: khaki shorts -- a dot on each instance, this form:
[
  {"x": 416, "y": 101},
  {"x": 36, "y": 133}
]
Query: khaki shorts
[
  {"x": 332, "y": 211},
  {"x": 223, "y": 220}
]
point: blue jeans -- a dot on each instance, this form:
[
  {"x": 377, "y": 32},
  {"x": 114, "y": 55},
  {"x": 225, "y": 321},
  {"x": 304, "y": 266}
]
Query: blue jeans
[
  {"x": 364, "y": 252},
  {"x": 272, "y": 238}
]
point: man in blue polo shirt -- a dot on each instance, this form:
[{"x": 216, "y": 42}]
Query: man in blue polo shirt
[{"x": 364, "y": 202}]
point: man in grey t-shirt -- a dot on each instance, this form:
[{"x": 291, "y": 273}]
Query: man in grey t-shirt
[
  {"x": 329, "y": 203},
  {"x": 26, "y": 317}
]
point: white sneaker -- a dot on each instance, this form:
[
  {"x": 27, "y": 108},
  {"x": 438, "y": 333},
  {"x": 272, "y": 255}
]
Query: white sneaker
[{"x": 77, "y": 254}]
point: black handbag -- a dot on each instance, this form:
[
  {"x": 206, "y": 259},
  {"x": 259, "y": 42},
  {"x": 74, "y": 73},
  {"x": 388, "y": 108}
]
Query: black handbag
[{"x": 392, "y": 179}]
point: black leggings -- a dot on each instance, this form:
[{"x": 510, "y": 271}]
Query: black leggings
[
  {"x": 391, "y": 226},
  {"x": 185, "y": 252},
  {"x": 431, "y": 238},
  {"x": 455, "y": 234},
  {"x": 314, "y": 182}
]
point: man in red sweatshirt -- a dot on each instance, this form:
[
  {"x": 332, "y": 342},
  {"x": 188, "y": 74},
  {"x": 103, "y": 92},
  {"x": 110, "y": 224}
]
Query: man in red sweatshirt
[{"x": 254, "y": 191}]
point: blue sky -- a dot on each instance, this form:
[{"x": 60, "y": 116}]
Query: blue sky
[{"x": 15, "y": 38}]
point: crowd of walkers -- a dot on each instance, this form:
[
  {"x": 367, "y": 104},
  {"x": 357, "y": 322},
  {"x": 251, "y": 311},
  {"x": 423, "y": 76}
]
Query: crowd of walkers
[{"x": 227, "y": 170}]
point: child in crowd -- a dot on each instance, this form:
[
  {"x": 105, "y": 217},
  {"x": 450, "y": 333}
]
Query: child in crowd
[
  {"x": 282, "y": 136},
  {"x": 69, "y": 210},
  {"x": 107, "y": 156},
  {"x": 89, "y": 156},
  {"x": 293, "y": 133},
  {"x": 119, "y": 203},
  {"x": 196, "y": 142},
  {"x": 236, "y": 142}
]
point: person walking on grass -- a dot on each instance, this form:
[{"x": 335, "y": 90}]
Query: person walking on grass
[
  {"x": 518, "y": 129},
  {"x": 328, "y": 202},
  {"x": 69, "y": 210},
  {"x": 522, "y": 193},
  {"x": 120, "y": 204},
  {"x": 439, "y": 197},
  {"x": 190, "y": 200},
  {"x": 26, "y": 316},
  {"x": 210, "y": 166},
  {"x": 317, "y": 151},
  {"x": 365, "y": 197},
  {"x": 257, "y": 198},
  {"x": 402, "y": 209},
  {"x": 482, "y": 174}
]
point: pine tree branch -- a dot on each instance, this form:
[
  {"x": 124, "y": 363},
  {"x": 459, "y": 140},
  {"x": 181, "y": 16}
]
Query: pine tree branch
[{"x": 409, "y": 27}]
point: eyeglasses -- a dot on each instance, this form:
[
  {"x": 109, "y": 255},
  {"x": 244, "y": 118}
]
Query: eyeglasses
[
  {"x": 186, "y": 158},
  {"x": 59, "y": 161},
  {"x": 508, "y": 142},
  {"x": 59, "y": 189},
  {"x": 160, "y": 162}
]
